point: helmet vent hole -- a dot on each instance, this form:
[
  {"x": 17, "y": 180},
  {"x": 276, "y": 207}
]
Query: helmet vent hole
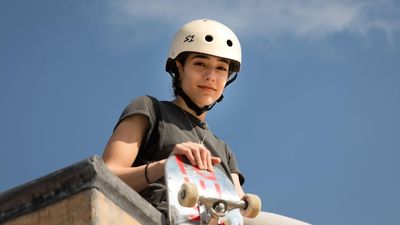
[
  {"x": 229, "y": 43},
  {"x": 209, "y": 38}
]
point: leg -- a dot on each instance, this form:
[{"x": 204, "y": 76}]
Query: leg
[{"x": 266, "y": 218}]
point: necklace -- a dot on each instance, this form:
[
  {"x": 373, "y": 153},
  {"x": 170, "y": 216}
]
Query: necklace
[{"x": 191, "y": 125}]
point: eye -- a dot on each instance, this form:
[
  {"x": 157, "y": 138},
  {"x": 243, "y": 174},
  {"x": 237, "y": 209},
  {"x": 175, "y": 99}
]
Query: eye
[
  {"x": 199, "y": 64},
  {"x": 222, "y": 68}
]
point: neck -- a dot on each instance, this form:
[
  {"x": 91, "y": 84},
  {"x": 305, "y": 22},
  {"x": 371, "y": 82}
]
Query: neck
[{"x": 181, "y": 103}]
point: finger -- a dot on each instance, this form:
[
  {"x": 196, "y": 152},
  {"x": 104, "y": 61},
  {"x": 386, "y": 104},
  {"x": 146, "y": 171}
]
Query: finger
[
  {"x": 215, "y": 160},
  {"x": 197, "y": 156},
  {"x": 209, "y": 162},
  {"x": 184, "y": 149},
  {"x": 205, "y": 155},
  {"x": 207, "y": 159}
]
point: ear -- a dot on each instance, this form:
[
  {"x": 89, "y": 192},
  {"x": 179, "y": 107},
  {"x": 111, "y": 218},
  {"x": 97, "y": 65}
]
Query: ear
[{"x": 178, "y": 65}]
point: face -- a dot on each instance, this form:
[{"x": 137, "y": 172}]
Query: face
[{"x": 203, "y": 77}]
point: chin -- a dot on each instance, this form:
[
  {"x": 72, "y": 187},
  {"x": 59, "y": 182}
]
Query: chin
[{"x": 206, "y": 101}]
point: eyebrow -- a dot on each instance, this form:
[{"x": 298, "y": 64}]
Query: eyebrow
[{"x": 204, "y": 56}]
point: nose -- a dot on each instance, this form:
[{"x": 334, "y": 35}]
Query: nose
[{"x": 210, "y": 74}]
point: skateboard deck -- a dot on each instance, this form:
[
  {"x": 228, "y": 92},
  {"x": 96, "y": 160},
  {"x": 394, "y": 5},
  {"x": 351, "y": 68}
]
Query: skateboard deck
[{"x": 196, "y": 196}]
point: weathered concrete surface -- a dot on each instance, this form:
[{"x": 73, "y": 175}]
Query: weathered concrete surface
[
  {"x": 84, "y": 193},
  {"x": 88, "y": 207}
]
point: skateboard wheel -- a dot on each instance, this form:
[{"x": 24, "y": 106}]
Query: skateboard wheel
[
  {"x": 188, "y": 195},
  {"x": 253, "y": 206}
]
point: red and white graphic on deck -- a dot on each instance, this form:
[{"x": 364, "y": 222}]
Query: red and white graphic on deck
[{"x": 205, "y": 177}]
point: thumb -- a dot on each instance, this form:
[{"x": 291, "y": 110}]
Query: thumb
[{"x": 215, "y": 160}]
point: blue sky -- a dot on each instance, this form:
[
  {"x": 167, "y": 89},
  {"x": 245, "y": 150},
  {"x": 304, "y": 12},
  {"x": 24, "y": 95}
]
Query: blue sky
[{"x": 313, "y": 116}]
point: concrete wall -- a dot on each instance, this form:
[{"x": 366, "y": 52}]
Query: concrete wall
[{"x": 84, "y": 193}]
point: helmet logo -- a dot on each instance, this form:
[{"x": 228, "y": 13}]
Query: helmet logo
[{"x": 189, "y": 38}]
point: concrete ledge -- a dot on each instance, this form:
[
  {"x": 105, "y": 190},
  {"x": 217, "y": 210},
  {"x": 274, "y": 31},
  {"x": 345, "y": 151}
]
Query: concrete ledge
[{"x": 89, "y": 174}]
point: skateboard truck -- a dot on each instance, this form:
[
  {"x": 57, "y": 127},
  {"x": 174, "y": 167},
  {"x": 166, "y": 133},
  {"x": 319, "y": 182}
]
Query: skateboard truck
[
  {"x": 188, "y": 196},
  {"x": 219, "y": 208},
  {"x": 200, "y": 197}
]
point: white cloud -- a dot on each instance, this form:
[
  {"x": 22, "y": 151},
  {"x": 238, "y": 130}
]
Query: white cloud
[{"x": 266, "y": 19}]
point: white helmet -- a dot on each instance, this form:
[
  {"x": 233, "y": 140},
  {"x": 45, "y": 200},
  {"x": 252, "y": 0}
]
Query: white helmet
[{"x": 208, "y": 37}]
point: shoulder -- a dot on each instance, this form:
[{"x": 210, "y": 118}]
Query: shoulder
[
  {"x": 143, "y": 105},
  {"x": 142, "y": 101}
]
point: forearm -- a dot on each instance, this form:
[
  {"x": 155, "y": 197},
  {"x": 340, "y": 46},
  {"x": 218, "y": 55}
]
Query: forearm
[
  {"x": 135, "y": 176},
  {"x": 237, "y": 185}
]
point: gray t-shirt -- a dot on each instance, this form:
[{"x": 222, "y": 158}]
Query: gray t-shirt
[{"x": 168, "y": 126}]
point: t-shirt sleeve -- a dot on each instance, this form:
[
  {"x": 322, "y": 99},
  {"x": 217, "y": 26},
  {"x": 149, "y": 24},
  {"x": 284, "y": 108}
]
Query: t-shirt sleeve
[
  {"x": 140, "y": 106},
  {"x": 233, "y": 165}
]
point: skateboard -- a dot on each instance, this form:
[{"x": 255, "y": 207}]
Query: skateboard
[{"x": 197, "y": 197}]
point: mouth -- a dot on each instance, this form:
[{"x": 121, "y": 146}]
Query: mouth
[{"x": 207, "y": 88}]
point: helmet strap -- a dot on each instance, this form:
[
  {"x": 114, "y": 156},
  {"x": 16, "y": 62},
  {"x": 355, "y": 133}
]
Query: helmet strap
[
  {"x": 231, "y": 79},
  {"x": 193, "y": 105}
]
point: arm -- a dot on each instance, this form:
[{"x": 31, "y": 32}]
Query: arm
[
  {"x": 238, "y": 187},
  {"x": 122, "y": 149}
]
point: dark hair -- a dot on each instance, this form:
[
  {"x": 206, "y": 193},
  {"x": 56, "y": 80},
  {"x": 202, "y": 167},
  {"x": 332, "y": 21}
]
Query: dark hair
[{"x": 176, "y": 80}]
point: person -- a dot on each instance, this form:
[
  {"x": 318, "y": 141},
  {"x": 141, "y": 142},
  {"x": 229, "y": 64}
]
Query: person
[{"x": 204, "y": 58}]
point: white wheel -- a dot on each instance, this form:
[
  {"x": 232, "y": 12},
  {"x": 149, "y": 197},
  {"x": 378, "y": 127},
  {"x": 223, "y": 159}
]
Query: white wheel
[
  {"x": 253, "y": 206},
  {"x": 188, "y": 195}
]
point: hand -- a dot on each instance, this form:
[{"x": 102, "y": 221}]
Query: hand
[{"x": 197, "y": 154}]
